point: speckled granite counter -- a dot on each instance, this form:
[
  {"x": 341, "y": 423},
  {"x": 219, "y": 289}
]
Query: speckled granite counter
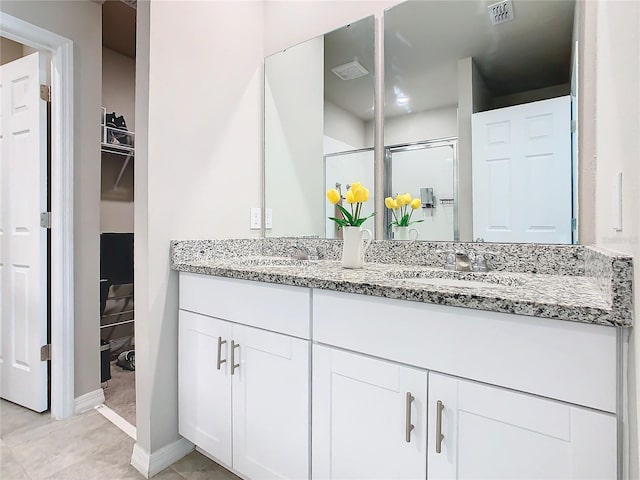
[{"x": 576, "y": 283}]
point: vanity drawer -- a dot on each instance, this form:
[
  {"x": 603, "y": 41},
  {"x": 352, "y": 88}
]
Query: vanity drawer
[
  {"x": 279, "y": 308},
  {"x": 568, "y": 361}
]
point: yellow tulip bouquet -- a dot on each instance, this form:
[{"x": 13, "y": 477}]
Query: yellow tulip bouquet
[
  {"x": 355, "y": 197},
  {"x": 402, "y": 207}
]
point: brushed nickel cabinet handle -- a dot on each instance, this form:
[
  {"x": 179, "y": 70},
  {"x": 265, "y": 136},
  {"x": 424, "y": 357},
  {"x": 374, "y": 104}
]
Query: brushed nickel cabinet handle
[
  {"x": 219, "y": 360},
  {"x": 234, "y": 365},
  {"x": 439, "y": 435},
  {"x": 408, "y": 426}
]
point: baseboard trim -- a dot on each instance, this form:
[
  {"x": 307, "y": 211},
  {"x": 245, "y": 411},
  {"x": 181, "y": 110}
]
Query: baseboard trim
[
  {"x": 88, "y": 401},
  {"x": 117, "y": 420},
  {"x": 150, "y": 464}
]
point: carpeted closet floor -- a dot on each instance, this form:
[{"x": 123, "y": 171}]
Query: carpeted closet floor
[{"x": 120, "y": 393}]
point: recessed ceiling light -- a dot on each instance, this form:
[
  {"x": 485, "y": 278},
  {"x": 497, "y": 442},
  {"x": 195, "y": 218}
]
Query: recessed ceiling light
[
  {"x": 402, "y": 100},
  {"x": 349, "y": 71}
]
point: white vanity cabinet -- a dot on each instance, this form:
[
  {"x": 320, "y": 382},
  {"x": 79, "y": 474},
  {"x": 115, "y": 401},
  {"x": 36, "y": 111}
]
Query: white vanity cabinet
[
  {"x": 369, "y": 417},
  {"x": 479, "y": 431},
  {"x": 495, "y": 420},
  {"x": 244, "y": 393},
  {"x": 204, "y": 392},
  {"x": 391, "y": 389}
]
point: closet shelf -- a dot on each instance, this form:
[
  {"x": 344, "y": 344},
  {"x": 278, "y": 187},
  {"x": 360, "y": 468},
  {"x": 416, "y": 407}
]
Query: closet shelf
[{"x": 116, "y": 141}]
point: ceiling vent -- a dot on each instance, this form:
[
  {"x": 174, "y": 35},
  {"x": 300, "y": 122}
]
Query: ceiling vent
[
  {"x": 350, "y": 70},
  {"x": 501, "y": 12}
]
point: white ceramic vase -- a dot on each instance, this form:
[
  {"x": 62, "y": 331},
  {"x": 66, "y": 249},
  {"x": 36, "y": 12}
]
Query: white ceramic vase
[
  {"x": 404, "y": 233},
  {"x": 354, "y": 246}
]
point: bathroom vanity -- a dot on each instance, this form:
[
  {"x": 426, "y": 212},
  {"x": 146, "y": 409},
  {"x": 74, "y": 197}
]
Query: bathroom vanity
[{"x": 297, "y": 369}]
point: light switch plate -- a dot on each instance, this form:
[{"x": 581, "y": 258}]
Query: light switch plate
[
  {"x": 256, "y": 219},
  {"x": 268, "y": 220}
]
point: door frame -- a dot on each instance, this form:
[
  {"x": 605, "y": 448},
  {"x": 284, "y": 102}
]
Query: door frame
[{"x": 61, "y": 182}]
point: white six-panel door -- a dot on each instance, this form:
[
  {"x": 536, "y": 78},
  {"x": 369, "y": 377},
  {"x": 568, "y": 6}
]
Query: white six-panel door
[
  {"x": 23, "y": 243},
  {"x": 490, "y": 433},
  {"x": 521, "y": 160},
  {"x": 361, "y": 418}
]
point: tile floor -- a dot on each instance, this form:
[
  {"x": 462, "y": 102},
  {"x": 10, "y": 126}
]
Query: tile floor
[
  {"x": 120, "y": 393},
  {"x": 83, "y": 447}
]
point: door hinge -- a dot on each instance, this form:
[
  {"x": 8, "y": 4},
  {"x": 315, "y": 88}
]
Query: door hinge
[
  {"x": 574, "y": 223},
  {"x": 45, "y": 219},
  {"x": 573, "y": 126},
  {"x": 45, "y": 93},
  {"x": 45, "y": 352}
]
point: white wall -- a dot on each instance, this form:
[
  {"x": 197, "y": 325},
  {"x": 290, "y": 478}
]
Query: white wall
[
  {"x": 293, "y": 150},
  {"x": 9, "y": 50},
  {"x": 80, "y": 22},
  {"x": 427, "y": 125},
  {"x": 467, "y": 70},
  {"x": 118, "y": 95},
  {"x": 198, "y": 170},
  {"x": 586, "y": 17},
  {"x": 289, "y": 22},
  {"x": 531, "y": 96},
  {"x": 116, "y": 216},
  {"x": 344, "y": 126},
  {"x": 118, "y": 85},
  {"x": 618, "y": 150}
]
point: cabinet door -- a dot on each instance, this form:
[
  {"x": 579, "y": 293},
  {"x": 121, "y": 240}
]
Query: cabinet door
[
  {"x": 493, "y": 433},
  {"x": 270, "y": 404},
  {"x": 361, "y": 418},
  {"x": 204, "y": 392}
]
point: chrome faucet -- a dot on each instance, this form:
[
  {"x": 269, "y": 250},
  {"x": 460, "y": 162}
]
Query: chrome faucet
[
  {"x": 480, "y": 261},
  {"x": 306, "y": 253},
  {"x": 461, "y": 261},
  {"x": 457, "y": 260}
]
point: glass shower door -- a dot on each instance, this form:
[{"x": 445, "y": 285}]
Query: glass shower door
[{"x": 421, "y": 168}]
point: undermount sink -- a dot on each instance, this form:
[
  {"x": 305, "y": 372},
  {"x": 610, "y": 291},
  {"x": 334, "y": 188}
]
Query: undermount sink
[
  {"x": 457, "y": 279},
  {"x": 271, "y": 262}
]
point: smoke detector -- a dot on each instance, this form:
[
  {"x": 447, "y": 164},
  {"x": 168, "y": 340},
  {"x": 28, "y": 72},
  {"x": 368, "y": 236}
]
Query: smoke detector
[{"x": 349, "y": 71}]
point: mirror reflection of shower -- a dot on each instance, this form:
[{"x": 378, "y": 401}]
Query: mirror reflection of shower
[
  {"x": 343, "y": 168},
  {"x": 426, "y": 170}
]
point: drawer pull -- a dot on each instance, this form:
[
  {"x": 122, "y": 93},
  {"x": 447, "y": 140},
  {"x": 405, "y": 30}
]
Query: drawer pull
[
  {"x": 234, "y": 365},
  {"x": 408, "y": 425},
  {"x": 219, "y": 360},
  {"x": 439, "y": 435}
]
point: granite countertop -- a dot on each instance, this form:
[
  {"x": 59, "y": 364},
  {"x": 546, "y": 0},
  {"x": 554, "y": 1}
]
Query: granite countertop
[{"x": 585, "y": 297}]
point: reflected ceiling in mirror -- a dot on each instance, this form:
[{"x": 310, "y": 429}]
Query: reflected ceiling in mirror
[
  {"x": 319, "y": 118},
  {"x": 451, "y": 74},
  {"x": 423, "y": 42}
]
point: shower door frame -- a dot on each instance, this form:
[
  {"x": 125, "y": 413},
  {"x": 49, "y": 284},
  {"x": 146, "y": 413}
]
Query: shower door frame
[{"x": 425, "y": 144}]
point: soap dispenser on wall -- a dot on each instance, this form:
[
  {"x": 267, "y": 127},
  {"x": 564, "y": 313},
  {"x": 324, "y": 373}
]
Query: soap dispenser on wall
[{"x": 427, "y": 198}]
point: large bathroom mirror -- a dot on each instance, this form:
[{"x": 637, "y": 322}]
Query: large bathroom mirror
[
  {"x": 478, "y": 118},
  {"x": 479, "y": 121},
  {"x": 319, "y": 124}
]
